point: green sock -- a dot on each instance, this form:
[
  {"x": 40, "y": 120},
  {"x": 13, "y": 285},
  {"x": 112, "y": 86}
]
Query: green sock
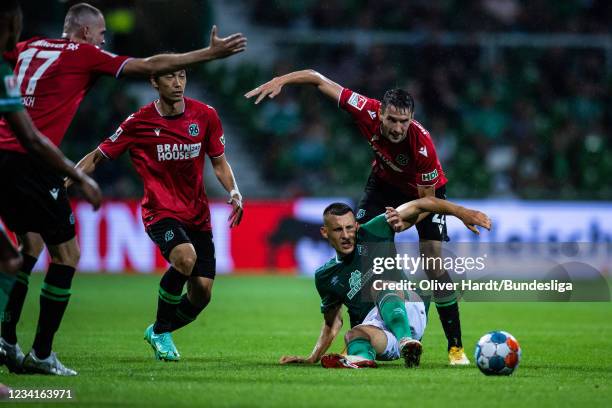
[
  {"x": 393, "y": 312},
  {"x": 6, "y": 285},
  {"x": 362, "y": 348}
]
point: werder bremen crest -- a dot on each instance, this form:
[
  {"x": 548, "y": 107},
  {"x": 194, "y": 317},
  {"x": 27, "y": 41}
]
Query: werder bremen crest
[{"x": 355, "y": 284}]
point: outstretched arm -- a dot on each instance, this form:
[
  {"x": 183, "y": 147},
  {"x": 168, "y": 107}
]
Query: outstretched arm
[
  {"x": 307, "y": 76},
  {"x": 218, "y": 48},
  {"x": 225, "y": 175},
  {"x": 329, "y": 331},
  {"x": 88, "y": 163},
  {"x": 36, "y": 143},
  {"x": 406, "y": 215}
]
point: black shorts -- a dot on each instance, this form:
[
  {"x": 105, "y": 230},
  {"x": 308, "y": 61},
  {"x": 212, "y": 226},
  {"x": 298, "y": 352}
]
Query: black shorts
[
  {"x": 379, "y": 194},
  {"x": 168, "y": 233},
  {"x": 33, "y": 198}
]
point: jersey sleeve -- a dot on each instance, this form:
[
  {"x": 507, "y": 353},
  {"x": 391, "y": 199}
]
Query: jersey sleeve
[
  {"x": 10, "y": 97},
  {"x": 378, "y": 226},
  {"x": 427, "y": 173},
  {"x": 215, "y": 142},
  {"x": 328, "y": 299},
  {"x": 361, "y": 108},
  {"x": 101, "y": 61},
  {"x": 117, "y": 143}
]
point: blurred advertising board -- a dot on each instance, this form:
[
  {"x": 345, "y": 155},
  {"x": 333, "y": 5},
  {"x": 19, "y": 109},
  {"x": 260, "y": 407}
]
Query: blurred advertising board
[{"x": 282, "y": 236}]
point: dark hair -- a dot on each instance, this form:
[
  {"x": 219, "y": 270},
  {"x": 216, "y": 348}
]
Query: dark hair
[
  {"x": 9, "y": 8},
  {"x": 337, "y": 209},
  {"x": 76, "y": 13},
  {"x": 399, "y": 98}
]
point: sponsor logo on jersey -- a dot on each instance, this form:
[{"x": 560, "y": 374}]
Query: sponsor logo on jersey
[
  {"x": 430, "y": 176},
  {"x": 157, "y": 131},
  {"x": 402, "y": 159},
  {"x": 178, "y": 151},
  {"x": 47, "y": 44},
  {"x": 361, "y": 213},
  {"x": 372, "y": 114},
  {"x": 423, "y": 151},
  {"x": 54, "y": 193},
  {"x": 116, "y": 135},
  {"x": 169, "y": 235},
  {"x": 222, "y": 139},
  {"x": 355, "y": 283},
  {"x": 357, "y": 101},
  {"x": 193, "y": 129}
]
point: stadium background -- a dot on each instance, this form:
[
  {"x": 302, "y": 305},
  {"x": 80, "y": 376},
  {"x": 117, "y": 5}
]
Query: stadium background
[{"x": 516, "y": 94}]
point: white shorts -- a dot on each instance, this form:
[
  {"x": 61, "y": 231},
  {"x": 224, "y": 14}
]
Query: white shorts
[{"x": 416, "y": 317}]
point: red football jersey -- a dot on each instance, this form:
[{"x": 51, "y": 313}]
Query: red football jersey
[
  {"x": 410, "y": 163},
  {"x": 168, "y": 154},
  {"x": 54, "y": 75}
]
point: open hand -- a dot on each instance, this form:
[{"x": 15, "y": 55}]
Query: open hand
[
  {"x": 269, "y": 89},
  {"x": 471, "y": 218},
  {"x": 294, "y": 360},
  {"x": 91, "y": 191},
  {"x": 237, "y": 211},
  {"x": 226, "y": 46}
]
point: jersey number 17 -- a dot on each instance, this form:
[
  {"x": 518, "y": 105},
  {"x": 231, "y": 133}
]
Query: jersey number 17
[{"x": 43, "y": 58}]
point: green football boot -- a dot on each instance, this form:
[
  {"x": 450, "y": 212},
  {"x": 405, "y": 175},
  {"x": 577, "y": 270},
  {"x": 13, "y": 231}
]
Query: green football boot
[{"x": 162, "y": 345}]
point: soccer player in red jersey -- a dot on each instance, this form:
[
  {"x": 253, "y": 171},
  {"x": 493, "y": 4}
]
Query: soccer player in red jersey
[
  {"x": 405, "y": 168},
  {"x": 54, "y": 75},
  {"x": 167, "y": 140},
  {"x": 36, "y": 145}
]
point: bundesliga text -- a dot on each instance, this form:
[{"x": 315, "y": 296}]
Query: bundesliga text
[{"x": 505, "y": 285}]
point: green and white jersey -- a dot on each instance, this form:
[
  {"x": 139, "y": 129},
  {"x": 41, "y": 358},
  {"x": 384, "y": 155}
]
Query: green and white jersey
[
  {"x": 340, "y": 281},
  {"x": 10, "y": 97}
]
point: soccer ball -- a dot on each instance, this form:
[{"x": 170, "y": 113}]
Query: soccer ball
[{"x": 497, "y": 353}]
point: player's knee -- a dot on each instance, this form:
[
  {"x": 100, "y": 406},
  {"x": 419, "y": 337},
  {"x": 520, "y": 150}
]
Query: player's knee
[
  {"x": 31, "y": 244},
  {"x": 355, "y": 333},
  {"x": 185, "y": 262}
]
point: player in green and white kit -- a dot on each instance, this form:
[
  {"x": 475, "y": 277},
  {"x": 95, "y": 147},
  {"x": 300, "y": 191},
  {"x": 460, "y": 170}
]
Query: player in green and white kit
[{"x": 385, "y": 324}]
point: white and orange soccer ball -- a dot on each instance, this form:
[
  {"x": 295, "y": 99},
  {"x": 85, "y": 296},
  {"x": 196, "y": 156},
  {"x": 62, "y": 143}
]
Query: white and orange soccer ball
[{"x": 497, "y": 353}]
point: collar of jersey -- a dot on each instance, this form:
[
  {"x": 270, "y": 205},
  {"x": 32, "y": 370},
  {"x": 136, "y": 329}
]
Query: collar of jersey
[
  {"x": 347, "y": 259},
  {"x": 170, "y": 116}
]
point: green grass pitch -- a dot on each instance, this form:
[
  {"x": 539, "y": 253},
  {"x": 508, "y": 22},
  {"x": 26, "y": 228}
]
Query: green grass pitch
[{"x": 230, "y": 354}]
